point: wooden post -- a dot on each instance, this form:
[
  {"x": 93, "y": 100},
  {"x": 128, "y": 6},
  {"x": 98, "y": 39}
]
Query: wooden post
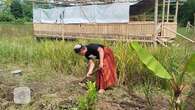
[
  {"x": 33, "y": 6},
  {"x": 163, "y": 18},
  {"x": 168, "y": 10},
  {"x": 156, "y": 13},
  {"x": 156, "y": 20},
  {"x": 176, "y": 11},
  {"x": 163, "y": 12}
]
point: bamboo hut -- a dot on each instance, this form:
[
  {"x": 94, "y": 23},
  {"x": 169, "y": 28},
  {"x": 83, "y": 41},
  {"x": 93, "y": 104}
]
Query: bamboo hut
[{"x": 104, "y": 19}]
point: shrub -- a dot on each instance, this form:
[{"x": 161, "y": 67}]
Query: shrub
[
  {"x": 20, "y": 21},
  {"x": 6, "y": 17}
]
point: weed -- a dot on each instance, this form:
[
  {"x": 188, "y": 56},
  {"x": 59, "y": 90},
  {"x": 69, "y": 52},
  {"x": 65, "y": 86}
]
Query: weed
[{"x": 86, "y": 102}]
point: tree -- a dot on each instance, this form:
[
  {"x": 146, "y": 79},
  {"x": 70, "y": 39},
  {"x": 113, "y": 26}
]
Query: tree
[
  {"x": 186, "y": 12},
  {"x": 27, "y": 10},
  {"x": 6, "y": 5},
  {"x": 16, "y": 9}
]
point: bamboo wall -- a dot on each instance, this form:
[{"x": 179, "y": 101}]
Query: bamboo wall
[{"x": 131, "y": 30}]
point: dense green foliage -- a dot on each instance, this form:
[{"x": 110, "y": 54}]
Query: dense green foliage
[
  {"x": 186, "y": 12},
  {"x": 16, "y": 11},
  {"x": 6, "y": 17}
]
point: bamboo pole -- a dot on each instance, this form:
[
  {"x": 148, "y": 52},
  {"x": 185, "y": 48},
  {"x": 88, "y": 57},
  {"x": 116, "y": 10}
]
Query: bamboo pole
[
  {"x": 163, "y": 12},
  {"x": 156, "y": 21},
  {"x": 176, "y": 10},
  {"x": 168, "y": 10},
  {"x": 156, "y": 13},
  {"x": 163, "y": 18}
]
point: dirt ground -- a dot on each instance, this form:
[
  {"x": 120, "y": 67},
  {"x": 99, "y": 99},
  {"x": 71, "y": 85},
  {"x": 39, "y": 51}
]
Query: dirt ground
[
  {"x": 62, "y": 93},
  {"x": 191, "y": 99}
]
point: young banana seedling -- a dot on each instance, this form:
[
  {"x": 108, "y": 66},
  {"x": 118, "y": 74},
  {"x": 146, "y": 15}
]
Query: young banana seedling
[{"x": 176, "y": 82}]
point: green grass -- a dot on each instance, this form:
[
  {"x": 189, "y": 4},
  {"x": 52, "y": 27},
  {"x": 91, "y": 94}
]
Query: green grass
[
  {"x": 58, "y": 56},
  {"x": 183, "y": 31},
  {"x": 15, "y": 30},
  {"x": 45, "y": 60}
]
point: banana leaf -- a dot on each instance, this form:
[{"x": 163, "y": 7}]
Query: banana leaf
[{"x": 150, "y": 62}]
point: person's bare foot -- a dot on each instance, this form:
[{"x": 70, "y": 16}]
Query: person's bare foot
[{"x": 101, "y": 91}]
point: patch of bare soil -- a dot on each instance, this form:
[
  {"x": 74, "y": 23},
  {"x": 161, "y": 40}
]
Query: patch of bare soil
[
  {"x": 62, "y": 93},
  {"x": 120, "y": 99}
]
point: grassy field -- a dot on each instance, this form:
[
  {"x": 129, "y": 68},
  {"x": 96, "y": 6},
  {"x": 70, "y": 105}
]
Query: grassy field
[
  {"x": 15, "y": 30},
  {"x": 183, "y": 31},
  {"x": 51, "y": 67}
]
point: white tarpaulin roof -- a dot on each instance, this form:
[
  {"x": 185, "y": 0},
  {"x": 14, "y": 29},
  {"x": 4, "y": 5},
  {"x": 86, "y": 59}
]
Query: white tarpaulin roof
[{"x": 109, "y": 13}]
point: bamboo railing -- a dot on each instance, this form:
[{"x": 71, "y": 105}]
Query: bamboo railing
[{"x": 132, "y": 30}]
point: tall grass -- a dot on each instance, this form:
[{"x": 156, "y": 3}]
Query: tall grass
[
  {"x": 60, "y": 57},
  {"x": 57, "y": 55},
  {"x": 15, "y": 30}
]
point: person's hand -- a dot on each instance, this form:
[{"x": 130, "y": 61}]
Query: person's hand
[
  {"x": 89, "y": 75},
  {"x": 101, "y": 65}
]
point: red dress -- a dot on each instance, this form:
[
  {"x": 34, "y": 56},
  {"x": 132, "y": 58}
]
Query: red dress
[{"x": 107, "y": 77}]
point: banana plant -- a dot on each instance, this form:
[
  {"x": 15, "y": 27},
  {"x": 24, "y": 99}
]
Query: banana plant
[{"x": 176, "y": 82}]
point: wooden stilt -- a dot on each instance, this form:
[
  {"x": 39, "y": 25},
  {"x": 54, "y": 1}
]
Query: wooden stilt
[
  {"x": 163, "y": 12},
  {"x": 168, "y": 10},
  {"x": 156, "y": 22},
  {"x": 176, "y": 10},
  {"x": 163, "y": 19}
]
